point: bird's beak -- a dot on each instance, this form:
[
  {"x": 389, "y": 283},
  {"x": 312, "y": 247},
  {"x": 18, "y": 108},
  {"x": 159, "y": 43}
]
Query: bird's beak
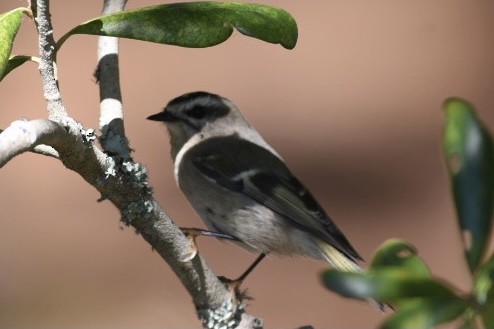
[{"x": 165, "y": 116}]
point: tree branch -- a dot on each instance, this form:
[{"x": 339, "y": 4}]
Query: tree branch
[
  {"x": 40, "y": 149},
  {"x": 23, "y": 135},
  {"x": 124, "y": 183},
  {"x": 131, "y": 194}
]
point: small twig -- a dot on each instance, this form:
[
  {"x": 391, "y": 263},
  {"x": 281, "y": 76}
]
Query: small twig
[
  {"x": 113, "y": 138},
  {"x": 46, "y": 41}
]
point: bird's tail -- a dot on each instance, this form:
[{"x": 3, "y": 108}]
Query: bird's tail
[{"x": 342, "y": 263}]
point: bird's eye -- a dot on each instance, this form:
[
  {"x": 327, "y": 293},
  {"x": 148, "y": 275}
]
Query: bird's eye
[{"x": 197, "y": 112}]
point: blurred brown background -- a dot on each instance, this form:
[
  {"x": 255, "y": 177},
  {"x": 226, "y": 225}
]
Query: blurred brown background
[{"x": 355, "y": 109}]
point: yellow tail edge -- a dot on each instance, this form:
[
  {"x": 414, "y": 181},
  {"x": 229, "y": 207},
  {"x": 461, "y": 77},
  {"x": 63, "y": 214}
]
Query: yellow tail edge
[{"x": 342, "y": 263}]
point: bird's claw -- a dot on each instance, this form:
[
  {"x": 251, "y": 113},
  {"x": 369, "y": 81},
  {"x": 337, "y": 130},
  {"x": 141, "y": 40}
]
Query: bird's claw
[{"x": 190, "y": 234}]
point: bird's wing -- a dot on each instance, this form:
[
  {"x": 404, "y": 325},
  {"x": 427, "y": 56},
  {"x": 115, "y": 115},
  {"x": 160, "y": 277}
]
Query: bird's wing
[{"x": 244, "y": 167}]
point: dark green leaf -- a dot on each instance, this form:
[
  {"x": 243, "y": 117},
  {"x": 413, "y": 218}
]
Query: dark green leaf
[
  {"x": 487, "y": 314},
  {"x": 14, "y": 62},
  {"x": 470, "y": 160},
  {"x": 425, "y": 313},
  {"x": 400, "y": 254},
  {"x": 195, "y": 24},
  {"x": 9, "y": 25},
  {"x": 388, "y": 285}
]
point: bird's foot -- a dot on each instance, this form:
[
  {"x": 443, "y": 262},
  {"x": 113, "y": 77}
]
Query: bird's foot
[{"x": 192, "y": 233}]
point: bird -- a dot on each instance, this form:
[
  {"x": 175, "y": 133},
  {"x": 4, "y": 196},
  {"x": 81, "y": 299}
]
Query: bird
[{"x": 241, "y": 187}]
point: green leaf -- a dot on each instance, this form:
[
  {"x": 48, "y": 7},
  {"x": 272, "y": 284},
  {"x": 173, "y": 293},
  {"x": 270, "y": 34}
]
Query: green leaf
[
  {"x": 195, "y": 24},
  {"x": 9, "y": 25},
  {"x": 400, "y": 254},
  {"x": 425, "y": 313},
  {"x": 469, "y": 157},
  {"x": 388, "y": 285},
  {"x": 484, "y": 292},
  {"x": 484, "y": 287},
  {"x": 14, "y": 62}
]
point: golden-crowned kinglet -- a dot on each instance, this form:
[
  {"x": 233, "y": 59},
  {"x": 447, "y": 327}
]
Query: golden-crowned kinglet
[{"x": 241, "y": 187}]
